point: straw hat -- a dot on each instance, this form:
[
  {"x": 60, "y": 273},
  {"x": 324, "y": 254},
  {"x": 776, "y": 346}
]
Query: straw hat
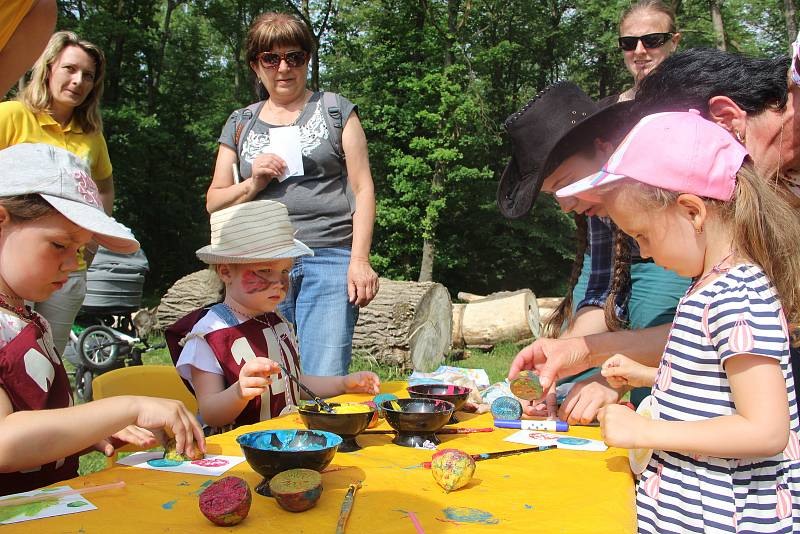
[{"x": 251, "y": 232}]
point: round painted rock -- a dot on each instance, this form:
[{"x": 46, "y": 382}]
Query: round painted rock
[
  {"x": 507, "y": 408},
  {"x": 226, "y": 502},
  {"x": 452, "y": 468},
  {"x": 296, "y": 490},
  {"x": 526, "y": 386}
]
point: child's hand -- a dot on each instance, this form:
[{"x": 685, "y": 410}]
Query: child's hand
[
  {"x": 362, "y": 382},
  {"x": 254, "y": 377},
  {"x": 156, "y": 414},
  {"x": 141, "y": 437},
  {"x": 621, "y": 371},
  {"x": 620, "y": 426}
]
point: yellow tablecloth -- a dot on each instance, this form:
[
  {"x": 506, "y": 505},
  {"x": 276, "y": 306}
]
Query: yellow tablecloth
[{"x": 543, "y": 492}]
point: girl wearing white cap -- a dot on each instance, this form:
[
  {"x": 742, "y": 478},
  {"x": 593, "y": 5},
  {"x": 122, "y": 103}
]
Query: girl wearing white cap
[
  {"x": 238, "y": 351},
  {"x": 49, "y": 208}
]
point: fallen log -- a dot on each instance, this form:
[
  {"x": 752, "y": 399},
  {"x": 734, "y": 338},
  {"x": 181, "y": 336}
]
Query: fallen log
[
  {"x": 193, "y": 291},
  {"x": 503, "y": 316},
  {"x": 408, "y": 325}
]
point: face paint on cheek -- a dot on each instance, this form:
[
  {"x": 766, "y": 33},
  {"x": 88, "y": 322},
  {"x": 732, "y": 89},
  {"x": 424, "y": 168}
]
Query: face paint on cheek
[{"x": 252, "y": 282}]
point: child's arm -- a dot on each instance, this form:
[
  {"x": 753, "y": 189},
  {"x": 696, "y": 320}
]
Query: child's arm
[
  {"x": 621, "y": 371},
  {"x": 759, "y": 393},
  {"x": 35, "y": 437},
  {"x": 220, "y": 406},
  {"x": 330, "y": 386}
]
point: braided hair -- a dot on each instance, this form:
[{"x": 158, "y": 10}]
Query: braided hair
[
  {"x": 563, "y": 313},
  {"x": 621, "y": 278}
]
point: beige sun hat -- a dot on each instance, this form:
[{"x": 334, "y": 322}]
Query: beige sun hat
[{"x": 251, "y": 232}]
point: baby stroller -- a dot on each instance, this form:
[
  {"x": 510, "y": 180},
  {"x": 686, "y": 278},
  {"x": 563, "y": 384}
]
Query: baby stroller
[{"x": 104, "y": 336}]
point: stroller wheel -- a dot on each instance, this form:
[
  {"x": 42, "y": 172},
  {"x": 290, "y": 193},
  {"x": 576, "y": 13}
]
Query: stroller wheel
[
  {"x": 83, "y": 383},
  {"x": 98, "y": 348}
]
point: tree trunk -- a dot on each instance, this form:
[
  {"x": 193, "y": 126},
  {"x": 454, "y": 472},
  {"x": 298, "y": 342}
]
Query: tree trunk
[
  {"x": 162, "y": 50},
  {"x": 504, "y": 316},
  {"x": 791, "y": 20},
  {"x": 426, "y": 265},
  {"x": 193, "y": 291},
  {"x": 408, "y": 325},
  {"x": 717, "y": 23}
]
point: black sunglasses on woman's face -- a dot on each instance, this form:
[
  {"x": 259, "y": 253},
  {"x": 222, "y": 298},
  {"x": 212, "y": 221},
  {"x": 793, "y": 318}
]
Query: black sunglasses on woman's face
[
  {"x": 271, "y": 60},
  {"x": 651, "y": 40}
]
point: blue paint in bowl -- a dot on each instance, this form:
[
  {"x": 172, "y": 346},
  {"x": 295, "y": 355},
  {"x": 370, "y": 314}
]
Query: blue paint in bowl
[{"x": 290, "y": 440}]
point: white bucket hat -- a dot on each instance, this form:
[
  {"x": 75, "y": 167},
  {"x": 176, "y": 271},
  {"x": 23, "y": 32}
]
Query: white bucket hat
[
  {"x": 63, "y": 180},
  {"x": 251, "y": 232}
]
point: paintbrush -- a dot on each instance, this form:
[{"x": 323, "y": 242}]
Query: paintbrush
[
  {"x": 442, "y": 431},
  {"x": 321, "y": 403},
  {"x": 58, "y": 494},
  {"x": 347, "y": 507},
  {"x": 500, "y": 454}
]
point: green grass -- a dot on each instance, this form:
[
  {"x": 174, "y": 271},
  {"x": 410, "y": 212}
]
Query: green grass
[{"x": 495, "y": 362}]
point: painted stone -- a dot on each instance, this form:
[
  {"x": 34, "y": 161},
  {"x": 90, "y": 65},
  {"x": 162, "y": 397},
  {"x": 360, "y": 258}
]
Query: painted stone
[
  {"x": 452, "y": 468},
  {"x": 507, "y": 408},
  {"x": 526, "y": 386},
  {"x": 226, "y": 502},
  {"x": 171, "y": 453},
  {"x": 296, "y": 490}
]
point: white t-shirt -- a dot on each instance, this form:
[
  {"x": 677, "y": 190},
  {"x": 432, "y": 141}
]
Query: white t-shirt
[{"x": 197, "y": 353}]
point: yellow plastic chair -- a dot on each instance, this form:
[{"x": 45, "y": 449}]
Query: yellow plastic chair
[{"x": 148, "y": 380}]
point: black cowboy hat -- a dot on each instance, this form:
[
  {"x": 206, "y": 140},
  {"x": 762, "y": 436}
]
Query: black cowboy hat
[{"x": 542, "y": 133}]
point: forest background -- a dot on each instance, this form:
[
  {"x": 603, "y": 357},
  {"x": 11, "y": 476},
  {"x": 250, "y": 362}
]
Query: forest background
[{"x": 434, "y": 81}]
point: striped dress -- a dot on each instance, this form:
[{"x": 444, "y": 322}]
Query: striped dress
[{"x": 736, "y": 313}]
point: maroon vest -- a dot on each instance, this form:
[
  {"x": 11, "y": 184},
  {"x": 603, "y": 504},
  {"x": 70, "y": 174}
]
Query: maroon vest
[
  {"x": 268, "y": 336},
  {"x": 33, "y": 377}
]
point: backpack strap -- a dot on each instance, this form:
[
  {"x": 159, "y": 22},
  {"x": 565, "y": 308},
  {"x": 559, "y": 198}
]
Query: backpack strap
[
  {"x": 244, "y": 123},
  {"x": 334, "y": 122}
]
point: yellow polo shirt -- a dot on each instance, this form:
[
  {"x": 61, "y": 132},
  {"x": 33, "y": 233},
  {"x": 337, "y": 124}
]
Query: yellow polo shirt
[{"x": 18, "y": 125}]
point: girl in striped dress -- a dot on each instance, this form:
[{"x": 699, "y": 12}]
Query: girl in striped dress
[{"x": 724, "y": 427}]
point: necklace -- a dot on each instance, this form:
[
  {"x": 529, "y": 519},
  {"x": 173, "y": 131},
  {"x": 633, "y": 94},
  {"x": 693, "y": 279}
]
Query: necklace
[
  {"x": 22, "y": 311},
  {"x": 716, "y": 269},
  {"x": 248, "y": 316},
  {"x": 299, "y": 112}
]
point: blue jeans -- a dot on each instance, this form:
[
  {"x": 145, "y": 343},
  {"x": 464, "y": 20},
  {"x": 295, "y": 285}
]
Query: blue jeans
[{"x": 317, "y": 306}]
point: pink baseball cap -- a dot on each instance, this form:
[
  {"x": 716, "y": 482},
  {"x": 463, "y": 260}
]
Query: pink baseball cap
[{"x": 677, "y": 151}]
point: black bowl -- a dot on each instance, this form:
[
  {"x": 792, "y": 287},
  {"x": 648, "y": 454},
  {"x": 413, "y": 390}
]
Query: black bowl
[
  {"x": 416, "y": 420},
  {"x": 270, "y": 452},
  {"x": 346, "y": 425},
  {"x": 446, "y": 392}
]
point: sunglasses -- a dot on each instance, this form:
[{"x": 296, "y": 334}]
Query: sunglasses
[
  {"x": 651, "y": 40},
  {"x": 271, "y": 60}
]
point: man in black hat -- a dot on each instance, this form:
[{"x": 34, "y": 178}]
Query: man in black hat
[{"x": 558, "y": 138}]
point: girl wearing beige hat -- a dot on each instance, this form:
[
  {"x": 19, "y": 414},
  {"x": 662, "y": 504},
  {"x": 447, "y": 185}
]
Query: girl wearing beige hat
[{"x": 233, "y": 355}]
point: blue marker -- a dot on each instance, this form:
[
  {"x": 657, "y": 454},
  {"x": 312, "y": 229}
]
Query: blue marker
[{"x": 527, "y": 424}]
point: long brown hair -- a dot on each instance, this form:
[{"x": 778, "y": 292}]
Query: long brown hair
[
  {"x": 620, "y": 279},
  {"x": 37, "y": 97},
  {"x": 764, "y": 226}
]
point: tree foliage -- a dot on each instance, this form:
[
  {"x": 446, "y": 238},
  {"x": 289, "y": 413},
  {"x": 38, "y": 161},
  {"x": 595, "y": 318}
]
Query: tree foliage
[{"x": 433, "y": 80}]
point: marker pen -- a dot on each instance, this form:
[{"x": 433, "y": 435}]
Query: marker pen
[{"x": 529, "y": 424}]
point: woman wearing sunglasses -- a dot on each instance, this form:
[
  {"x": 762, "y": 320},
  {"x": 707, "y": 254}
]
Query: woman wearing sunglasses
[
  {"x": 332, "y": 205},
  {"x": 648, "y": 36}
]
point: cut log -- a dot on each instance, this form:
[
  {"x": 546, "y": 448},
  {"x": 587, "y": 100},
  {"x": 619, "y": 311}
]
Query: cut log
[
  {"x": 547, "y": 306},
  {"x": 193, "y": 291},
  {"x": 408, "y": 325},
  {"x": 458, "y": 315},
  {"x": 469, "y": 297},
  {"x": 504, "y": 316}
]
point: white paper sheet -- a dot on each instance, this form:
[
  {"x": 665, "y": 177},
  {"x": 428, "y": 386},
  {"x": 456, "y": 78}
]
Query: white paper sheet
[
  {"x": 212, "y": 465},
  {"x": 71, "y": 504},
  {"x": 284, "y": 141},
  {"x": 562, "y": 441}
]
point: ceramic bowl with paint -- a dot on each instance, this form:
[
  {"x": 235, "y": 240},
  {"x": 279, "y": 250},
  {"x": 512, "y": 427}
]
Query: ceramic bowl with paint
[
  {"x": 526, "y": 386},
  {"x": 446, "y": 392},
  {"x": 416, "y": 420},
  {"x": 296, "y": 490},
  {"x": 506, "y": 408},
  {"x": 271, "y": 451},
  {"x": 347, "y": 420}
]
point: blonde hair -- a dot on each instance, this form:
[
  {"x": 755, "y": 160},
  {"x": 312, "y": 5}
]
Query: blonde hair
[
  {"x": 764, "y": 226},
  {"x": 650, "y": 5},
  {"x": 37, "y": 97}
]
